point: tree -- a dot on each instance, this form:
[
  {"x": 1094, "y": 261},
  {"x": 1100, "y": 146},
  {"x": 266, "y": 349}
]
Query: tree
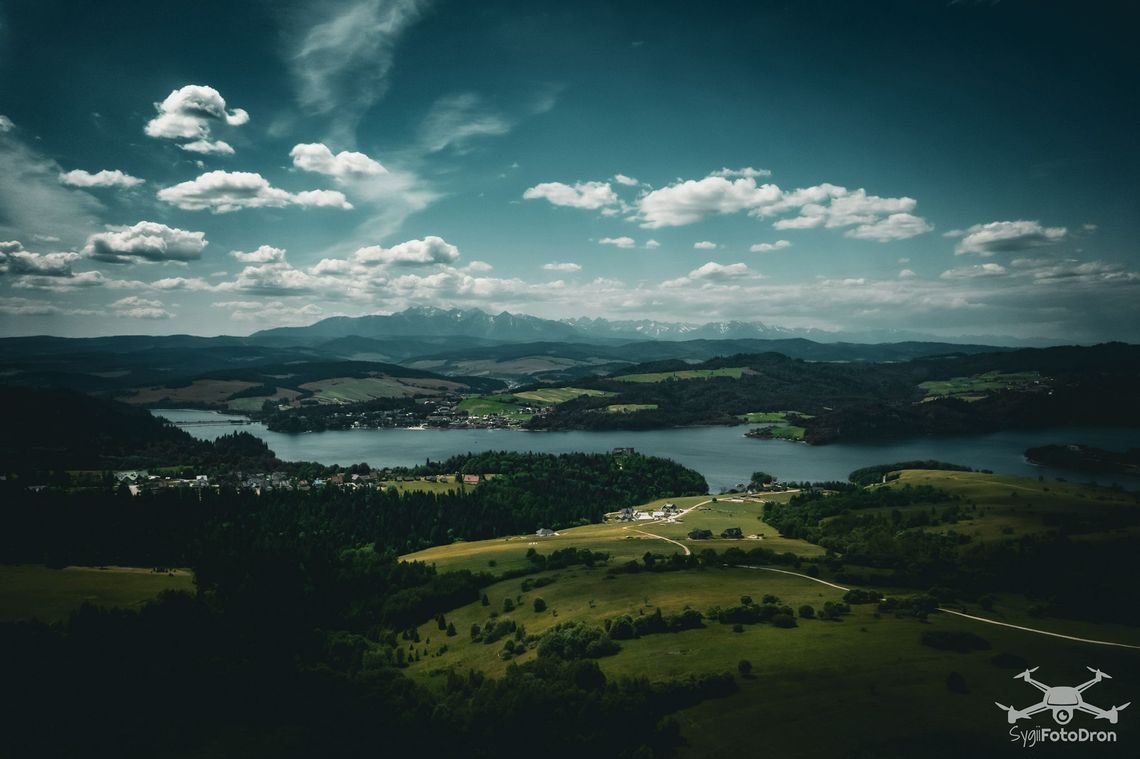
[
  {"x": 508, "y": 605},
  {"x": 807, "y": 612},
  {"x": 744, "y": 667},
  {"x": 484, "y": 600},
  {"x": 762, "y": 478},
  {"x": 746, "y": 600},
  {"x": 539, "y": 605},
  {"x": 450, "y": 629}
]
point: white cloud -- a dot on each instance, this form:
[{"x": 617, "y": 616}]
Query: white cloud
[
  {"x": 692, "y": 200},
  {"x": 189, "y": 113},
  {"x": 624, "y": 180},
  {"x": 587, "y": 195},
  {"x": 478, "y": 266},
  {"x": 711, "y": 272},
  {"x": 974, "y": 272},
  {"x": 145, "y": 241},
  {"x": 6, "y": 124},
  {"x": 897, "y": 226},
  {"x": 768, "y": 247},
  {"x": 134, "y": 307},
  {"x": 263, "y": 255},
  {"x": 16, "y": 261},
  {"x": 556, "y": 266},
  {"x": 271, "y": 312},
  {"x": 454, "y": 120},
  {"x": 226, "y": 191},
  {"x": 618, "y": 242},
  {"x": 651, "y": 245},
  {"x": 907, "y": 274},
  {"x": 104, "y": 178},
  {"x": 182, "y": 283},
  {"x": 747, "y": 172},
  {"x": 29, "y": 307},
  {"x": 704, "y": 245},
  {"x": 1007, "y": 236},
  {"x": 429, "y": 250},
  {"x": 318, "y": 158}
]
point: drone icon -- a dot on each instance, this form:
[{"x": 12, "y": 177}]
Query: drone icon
[{"x": 1063, "y": 700}]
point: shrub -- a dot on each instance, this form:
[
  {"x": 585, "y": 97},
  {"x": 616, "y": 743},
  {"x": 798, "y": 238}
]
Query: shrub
[
  {"x": 539, "y": 605},
  {"x": 744, "y": 667},
  {"x": 783, "y": 620},
  {"x": 807, "y": 612}
]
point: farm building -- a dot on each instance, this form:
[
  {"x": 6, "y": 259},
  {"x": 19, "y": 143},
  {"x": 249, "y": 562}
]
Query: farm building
[{"x": 543, "y": 532}]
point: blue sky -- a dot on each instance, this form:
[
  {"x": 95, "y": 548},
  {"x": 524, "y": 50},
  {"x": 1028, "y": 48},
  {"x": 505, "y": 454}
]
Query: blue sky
[{"x": 949, "y": 167}]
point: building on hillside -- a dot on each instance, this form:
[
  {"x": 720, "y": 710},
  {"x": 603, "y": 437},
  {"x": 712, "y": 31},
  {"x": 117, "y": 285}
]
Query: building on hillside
[
  {"x": 543, "y": 532},
  {"x": 733, "y": 532},
  {"x": 470, "y": 479},
  {"x": 622, "y": 451}
]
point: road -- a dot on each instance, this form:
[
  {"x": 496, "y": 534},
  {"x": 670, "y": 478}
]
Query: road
[
  {"x": 1034, "y": 630},
  {"x": 673, "y": 518}
]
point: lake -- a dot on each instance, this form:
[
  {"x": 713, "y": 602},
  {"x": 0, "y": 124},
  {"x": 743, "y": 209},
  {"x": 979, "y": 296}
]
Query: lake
[{"x": 722, "y": 454}]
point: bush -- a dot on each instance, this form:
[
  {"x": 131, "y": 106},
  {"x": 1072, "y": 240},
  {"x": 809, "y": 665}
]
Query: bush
[
  {"x": 807, "y": 612},
  {"x": 954, "y": 640},
  {"x": 783, "y": 620},
  {"x": 744, "y": 667},
  {"x": 539, "y": 605},
  {"x": 955, "y": 683}
]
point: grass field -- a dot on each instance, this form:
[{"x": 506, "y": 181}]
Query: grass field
[
  {"x": 978, "y": 386},
  {"x": 33, "y": 591},
  {"x": 771, "y": 417},
  {"x": 628, "y": 408},
  {"x": 736, "y": 372},
  {"x": 198, "y": 391},
  {"x": 800, "y": 698},
  {"x": 556, "y": 395}
]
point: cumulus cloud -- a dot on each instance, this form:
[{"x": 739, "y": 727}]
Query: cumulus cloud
[
  {"x": 692, "y": 200},
  {"x": 263, "y": 255},
  {"x": 897, "y": 226},
  {"x": 104, "y": 178},
  {"x": 145, "y": 241},
  {"x": 455, "y": 120},
  {"x": 271, "y": 312},
  {"x": 556, "y": 266},
  {"x": 189, "y": 113},
  {"x": 704, "y": 245},
  {"x": 134, "y": 307},
  {"x": 317, "y": 157},
  {"x": 6, "y": 124},
  {"x": 24, "y": 262},
  {"x": 651, "y": 245},
  {"x": 1007, "y": 236},
  {"x": 907, "y": 274},
  {"x": 226, "y": 191},
  {"x": 711, "y": 272},
  {"x": 768, "y": 247},
  {"x": 429, "y": 250},
  {"x": 587, "y": 195},
  {"x": 30, "y": 307},
  {"x": 624, "y": 180},
  {"x": 618, "y": 242}
]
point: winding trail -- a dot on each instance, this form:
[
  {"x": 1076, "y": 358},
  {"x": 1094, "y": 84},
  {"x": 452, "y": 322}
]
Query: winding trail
[
  {"x": 683, "y": 547},
  {"x": 673, "y": 518}
]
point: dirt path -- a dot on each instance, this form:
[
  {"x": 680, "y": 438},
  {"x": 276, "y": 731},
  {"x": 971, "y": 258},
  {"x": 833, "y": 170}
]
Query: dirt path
[
  {"x": 682, "y": 546},
  {"x": 673, "y": 518}
]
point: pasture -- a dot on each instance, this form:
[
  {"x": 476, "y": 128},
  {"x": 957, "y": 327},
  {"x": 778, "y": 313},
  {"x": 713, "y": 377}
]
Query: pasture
[
  {"x": 735, "y": 372},
  {"x": 33, "y": 591}
]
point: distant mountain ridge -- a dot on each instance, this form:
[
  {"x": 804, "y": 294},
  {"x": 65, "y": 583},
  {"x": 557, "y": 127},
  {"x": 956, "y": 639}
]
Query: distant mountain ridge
[{"x": 505, "y": 327}]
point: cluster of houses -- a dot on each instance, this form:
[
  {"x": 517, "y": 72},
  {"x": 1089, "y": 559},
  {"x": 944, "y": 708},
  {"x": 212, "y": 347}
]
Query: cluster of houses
[
  {"x": 139, "y": 480},
  {"x": 668, "y": 511}
]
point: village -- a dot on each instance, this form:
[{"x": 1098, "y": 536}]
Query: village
[{"x": 139, "y": 481}]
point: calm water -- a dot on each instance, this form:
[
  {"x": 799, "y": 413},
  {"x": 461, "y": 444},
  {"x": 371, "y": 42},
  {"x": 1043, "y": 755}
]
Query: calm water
[{"x": 722, "y": 454}]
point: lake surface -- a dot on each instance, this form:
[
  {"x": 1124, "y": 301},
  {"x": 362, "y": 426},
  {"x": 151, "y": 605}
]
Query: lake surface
[{"x": 722, "y": 454}]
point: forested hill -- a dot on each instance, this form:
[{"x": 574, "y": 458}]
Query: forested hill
[
  {"x": 55, "y": 430},
  {"x": 832, "y": 401}
]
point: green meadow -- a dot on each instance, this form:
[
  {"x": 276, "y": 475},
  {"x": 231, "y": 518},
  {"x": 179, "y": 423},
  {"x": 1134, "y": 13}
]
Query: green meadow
[{"x": 33, "y": 591}]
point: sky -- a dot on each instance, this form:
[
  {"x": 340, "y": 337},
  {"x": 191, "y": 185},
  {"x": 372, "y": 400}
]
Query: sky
[{"x": 954, "y": 168}]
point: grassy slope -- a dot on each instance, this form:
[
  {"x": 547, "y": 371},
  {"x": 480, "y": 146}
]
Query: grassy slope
[
  {"x": 823, "y": 688},
  {"x": 34, "y": 591}
]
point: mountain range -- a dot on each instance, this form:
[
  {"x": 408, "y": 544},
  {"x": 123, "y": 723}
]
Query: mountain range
[{"x": 505, "y": 327}]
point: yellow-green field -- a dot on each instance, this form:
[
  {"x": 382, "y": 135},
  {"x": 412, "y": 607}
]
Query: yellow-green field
[
  {"x": 556, "y": 395},
  {"x": 976, "y": 387},
  {"x": 505, "y": 405},
  {"x": 629, "y": 408},
  {"x": 736, "y": 372},
  {"x": 357, "y": 389},
  {"x": 441, "y": 485},
  {"x": 33, "y": 591},
  {"x": 771, "y": 417},
  {"x": 799, "y": 698}
]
